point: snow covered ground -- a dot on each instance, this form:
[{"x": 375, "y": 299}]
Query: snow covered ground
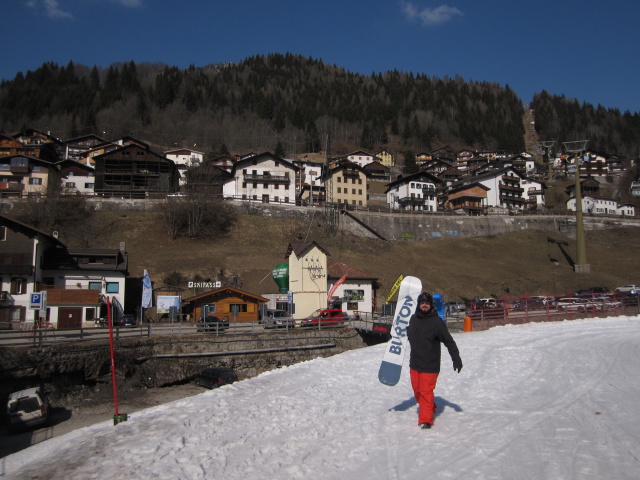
[{"x": 538, "y": 401}]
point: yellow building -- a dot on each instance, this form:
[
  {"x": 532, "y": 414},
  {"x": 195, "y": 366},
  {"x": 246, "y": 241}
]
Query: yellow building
[
  {"x": 307, "y": 276},
  {"x": 386, "y": 158},
  {"x": 346, "y": 184}
]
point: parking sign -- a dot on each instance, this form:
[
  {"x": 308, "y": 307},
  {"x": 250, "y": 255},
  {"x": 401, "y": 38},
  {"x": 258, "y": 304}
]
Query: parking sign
[{"x": 35, "y": 301}]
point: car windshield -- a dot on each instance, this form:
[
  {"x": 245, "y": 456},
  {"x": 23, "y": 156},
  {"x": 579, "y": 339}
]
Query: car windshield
[{"x": 317, "y": 313}]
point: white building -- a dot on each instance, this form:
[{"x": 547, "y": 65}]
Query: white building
[
  {"x": 185, "y": 158},
  {"x": 601, "y": 206},
  {"x": 413, "y": 192},
  {"x": 263, "y": 178}
]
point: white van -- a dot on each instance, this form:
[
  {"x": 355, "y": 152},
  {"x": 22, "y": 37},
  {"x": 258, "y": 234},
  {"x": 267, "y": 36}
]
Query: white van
[{"x": 27, "y": 408}]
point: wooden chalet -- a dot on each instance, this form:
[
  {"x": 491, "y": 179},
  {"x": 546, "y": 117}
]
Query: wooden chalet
[
  {"x": 377, "y": 171},
  {"x": 224, "y": 299},
  {"x": 468, "y": 199},
  {"x": 132, "y": 171}
]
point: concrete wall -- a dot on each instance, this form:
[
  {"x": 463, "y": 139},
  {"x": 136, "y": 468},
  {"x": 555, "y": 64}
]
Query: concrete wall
[{"x": 161, "y": 361}]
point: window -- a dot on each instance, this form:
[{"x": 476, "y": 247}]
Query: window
[
  {"x": 70, "y": 185},
  {"x": 70, "y": 173},
  {"x": 113, "y": 287},
  {"x": 19, "y": 162},
  {"x": 89, "y": 185},
  {"x": 353, "y": 191},
  {"x": 241, "y": 307},
  {"x": 35, "y": 181},
  {"x": 18, "y": 286},
  {"x": 89, "y": 314},
  {"x": 36, "y": 168},
  {"x": 339, "y": 190},
  {"x": 339, "y": 179},
  {"x": 3, "y": 234},
  {"x": 95, "y": 286}
]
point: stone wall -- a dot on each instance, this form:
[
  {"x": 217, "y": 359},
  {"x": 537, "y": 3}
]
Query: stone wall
[{"x": 162, "y": 361}]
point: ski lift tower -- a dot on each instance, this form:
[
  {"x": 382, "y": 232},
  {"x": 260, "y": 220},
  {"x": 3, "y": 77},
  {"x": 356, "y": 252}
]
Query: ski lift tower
[
  {"x": 577, "y": 148},
  {"x": 548, "y": 145}
]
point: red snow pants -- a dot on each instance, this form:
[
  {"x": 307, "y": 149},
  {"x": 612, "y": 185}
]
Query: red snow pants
[{"x": 423, "y": 385}]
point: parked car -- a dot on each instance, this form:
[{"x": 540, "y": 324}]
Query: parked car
[
  {"x": 599, "y": 290},
  {"x": 628, "y": 289},
  {"x": 26, "y": 409},
  {"x": 325, "y": 317},
  {"x": 125, "y": 320},
  {"x": 212, "y": 324},
  {"x": 540, "y": 302},
  {"x": 278, "y": 318},
  {"x": 453, "y": 307},
  {"x": 215, "y": 377},
  {"x": 486, "y": 303},
  {"x": 574, "y": 303}
]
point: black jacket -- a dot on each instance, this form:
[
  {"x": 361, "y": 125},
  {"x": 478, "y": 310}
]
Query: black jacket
[{"x": 425, "y": 333}]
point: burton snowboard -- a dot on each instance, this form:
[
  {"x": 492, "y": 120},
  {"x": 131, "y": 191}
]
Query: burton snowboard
[{"x": 391, "y": 366}]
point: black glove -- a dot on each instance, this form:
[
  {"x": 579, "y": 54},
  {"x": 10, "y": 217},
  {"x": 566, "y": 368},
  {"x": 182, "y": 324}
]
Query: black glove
[{"x": 457, "y": 364}]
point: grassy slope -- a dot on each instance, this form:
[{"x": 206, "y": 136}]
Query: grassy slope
[{"x": 520, "y": 263}]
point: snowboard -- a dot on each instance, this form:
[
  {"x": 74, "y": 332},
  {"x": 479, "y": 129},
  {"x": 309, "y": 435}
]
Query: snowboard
[{"x": 391, "y": 366}]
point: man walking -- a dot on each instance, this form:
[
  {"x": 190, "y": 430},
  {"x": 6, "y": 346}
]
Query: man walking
[{"x": 426, "y": 331}]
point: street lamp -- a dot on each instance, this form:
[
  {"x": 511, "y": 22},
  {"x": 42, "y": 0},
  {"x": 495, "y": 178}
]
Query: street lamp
[{"x": 576, "y": 148}]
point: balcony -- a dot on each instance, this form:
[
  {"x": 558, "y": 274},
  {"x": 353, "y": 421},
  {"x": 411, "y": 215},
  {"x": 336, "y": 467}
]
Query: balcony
[
  {"x": 509, "y": 199},
  {"x": 266, "y": 177},
  {"x": 12, "y": 187},
  {"x": 403, "y": 201},
  {"x": 64, "y": 296},
  {"x": 351, "y": 172},
  {"x": 24, "y": 270},
  {"x": 510, "y": 188},
  {"x": 510, "y": 179}
]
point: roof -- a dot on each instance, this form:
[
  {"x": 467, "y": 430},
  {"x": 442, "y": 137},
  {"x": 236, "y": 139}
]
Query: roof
[
  {"x": 28, "y": 230},
  {"x": 300, "y": 247},
  {"x": 262, "y": 157},
  {"x": 338, "y": 269},
  {"x": 215, "y": 291},
  {"x": 414, "y": 177}
]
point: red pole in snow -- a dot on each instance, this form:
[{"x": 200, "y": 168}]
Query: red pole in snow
[{"x": 117, "y": 418}]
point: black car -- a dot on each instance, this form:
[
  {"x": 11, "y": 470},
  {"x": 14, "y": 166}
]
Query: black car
[
  {"x": 212, "y": 324},
  {"x": 215, "y": 377},
  {"x": 126, "y": 320}
]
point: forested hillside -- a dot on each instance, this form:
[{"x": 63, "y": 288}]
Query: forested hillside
[
  {"x": 562, "y": 119},
  {"x": 301, "y": 103}
]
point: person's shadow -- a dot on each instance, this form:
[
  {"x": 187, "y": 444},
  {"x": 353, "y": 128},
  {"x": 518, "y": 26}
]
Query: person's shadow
[{"x": 441, "y": 404}]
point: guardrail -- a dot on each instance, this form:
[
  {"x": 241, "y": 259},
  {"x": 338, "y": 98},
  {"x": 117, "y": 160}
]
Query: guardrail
[{"x": 39, "y": 337}]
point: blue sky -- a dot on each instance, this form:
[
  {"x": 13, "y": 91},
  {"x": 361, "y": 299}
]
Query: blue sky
[{"x": 585, "y": 49}]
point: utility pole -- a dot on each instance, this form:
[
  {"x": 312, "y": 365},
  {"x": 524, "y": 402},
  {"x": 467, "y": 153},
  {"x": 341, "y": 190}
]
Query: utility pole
[
  {"x": 577, "y": 148},
  {"x": 548, "y": 145}
]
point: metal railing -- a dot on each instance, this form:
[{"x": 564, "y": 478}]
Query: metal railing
[{"x": 30, "y": 334}]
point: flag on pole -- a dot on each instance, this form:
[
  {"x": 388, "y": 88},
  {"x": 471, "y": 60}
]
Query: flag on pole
[
  {"x": 335, "y": 286},
  {"x": 146, "y": 291}
]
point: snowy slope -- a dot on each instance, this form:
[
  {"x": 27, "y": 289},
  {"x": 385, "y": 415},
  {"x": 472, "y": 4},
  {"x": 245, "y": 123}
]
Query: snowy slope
[{"x": 538, "y": 401}]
